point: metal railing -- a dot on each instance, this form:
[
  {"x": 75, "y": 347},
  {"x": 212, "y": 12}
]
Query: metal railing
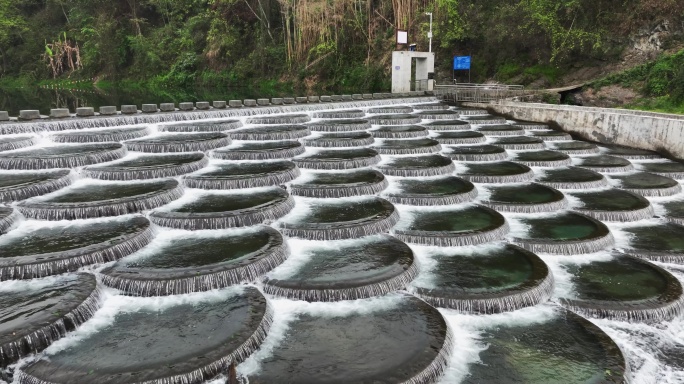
[{"x": 479, "y": 93}]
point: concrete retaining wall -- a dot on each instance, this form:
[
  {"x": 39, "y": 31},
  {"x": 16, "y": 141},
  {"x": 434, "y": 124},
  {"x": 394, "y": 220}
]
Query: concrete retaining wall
[{"x": 646, "y": 130}]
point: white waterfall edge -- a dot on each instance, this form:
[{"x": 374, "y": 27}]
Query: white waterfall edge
[
  {"x": 360, "y": 162},
  {"x": 492, "y": 121},
  {"x": 77, "y": 137},
  {"x": 200, "y": 283},
  {"x": 465, "y": 140},
  {"x": 656, "y": 192},
  {"x": 269, "y": 136},
  {"x": 221, "y": 126},
  {"x": 63, "y": 262},
  {"x": 471, "y": 112},
  {"x": 318, "y": 142},
  {"x": 106, "y": 208},
  {"x": 332, "y": 126},
  {"x": 9, "y": 220},
  {"x": 532, "y": 127},
  {"x": 650, "y": 315},
  {"x": 452, "y": 240},
  {"x": 36, "y": 189},
  {"x": 40, "y": 339},
  {"x": 144, "y": 174},
  {"x": 501, "y": 133},
  {"x": 546, "y": 163},
  {"x": 246, "y": 218},
  {"x": 200, "y": 374},
  {"x": 438, "y": 365},
  {"x": 17, "y": 144},
  {"x": 339, "y": 114},
  {"x": 286, "y": 153},
  {"x": 280, "y": 119},
  {"x": 119, "y": 120},
  {"x": 419, "y": 172},
  {"x": 272, "y": 179},
  {"x": 354, "y": 231},
  {"x": 381, "y": 288},
  {"x": 637, "y": 157},
  {"x": 619, "y": 169},
  {"x": 409, "y": 151},
  {"x": 621, "y": 216},
  {"x": 427, "y": 200},
  {"x": 399, "y": 135},
  {"x": 521, "y": 147},
  {"x": 395, "y": 121},
  {"x": 672, "y": 175},
  {"x": 567, "y": 247},
  {"x": 591, "y": 151},
  {"x": 180, "y": 146},
  {"x": 527, "y": 208},
  {"x": 528, "y": 298},
  {"x": 602, "y": 183},
  {"x": 440, "y": 128},
  {"x": 478, "y": 156},
  {"x": 484, "y": 179},
  {"x": 564, "y": 137},
  {"x": 66, "y": 161},
  {"x": 337, "y": 191}
]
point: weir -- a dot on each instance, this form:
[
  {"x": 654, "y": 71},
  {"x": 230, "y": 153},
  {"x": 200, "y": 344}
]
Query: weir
[
  {"x": 359, "y": 206},
  {"x": 346, "y": 270},
  {"x": 237, "y": 175}
]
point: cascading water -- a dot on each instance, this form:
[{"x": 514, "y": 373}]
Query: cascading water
[
  {"x": 93, "y": 198},
  {"x": 16, "y": 142},
  {"x": 15, "y": 186},
  {"x": 140, "y": 167},
  {"x": 449, "y": 247},
  {"x": 179, "y": 142},
  {"x": 202, "y": 126},
  {"x": 60, "y": 156},
  {"x": 180, "y": 262},
  {"x": 271, "y": 132},
  {"x": 243, "y": 174},
  {"x": 224, "y": 209},
  {"x": 101, "y": 135}
]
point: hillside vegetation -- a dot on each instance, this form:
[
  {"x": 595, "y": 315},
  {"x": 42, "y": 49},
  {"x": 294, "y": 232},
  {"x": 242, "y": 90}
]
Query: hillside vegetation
[{"x": 340, "y": 45}]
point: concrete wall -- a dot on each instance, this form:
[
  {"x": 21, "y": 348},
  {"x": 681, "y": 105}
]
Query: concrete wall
[
  {"x": 638, "y": 129},
  {"x": 401, "y": 69}
]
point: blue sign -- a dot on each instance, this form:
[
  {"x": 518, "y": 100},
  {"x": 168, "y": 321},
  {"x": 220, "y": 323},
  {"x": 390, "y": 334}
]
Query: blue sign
[{"x": 461, "y": 62}]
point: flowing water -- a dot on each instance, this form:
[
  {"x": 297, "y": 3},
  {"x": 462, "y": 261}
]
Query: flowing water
[{"x": 365, "y": 241}]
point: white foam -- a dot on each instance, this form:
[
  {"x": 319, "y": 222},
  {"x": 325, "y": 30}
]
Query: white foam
[
  {"x": 114, "y": 304},
  {"x": 25, "y": 227},
  {"x": 34, "y": 284},
  {"x": 287, "y": 311},
  {"x": 564, "y": 287},
  {"x": 192, "y": 195},
  {"x": 518, "y": 228},
  {"x": 425, "y": 255},
  {"x": 642, "y": 344},
  {"x": 468, "y": 330},
  {"x": 167, "y": 236}
]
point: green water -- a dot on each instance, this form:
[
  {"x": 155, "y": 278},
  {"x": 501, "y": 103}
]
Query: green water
[
  {"x": 68, "y": 237},
  {"x": 323, "y": 213},
  {"x": 565, "y": 227},
  {"x": 201, "y": 251},
  {"x": 102, "y": 192},
  {"x": 619, "y": 279},
  {"x": 472, "y": 219},
  {"x": 216, "y": 203}
]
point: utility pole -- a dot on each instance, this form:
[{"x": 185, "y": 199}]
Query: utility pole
[{"x": 430, "y": 33}]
